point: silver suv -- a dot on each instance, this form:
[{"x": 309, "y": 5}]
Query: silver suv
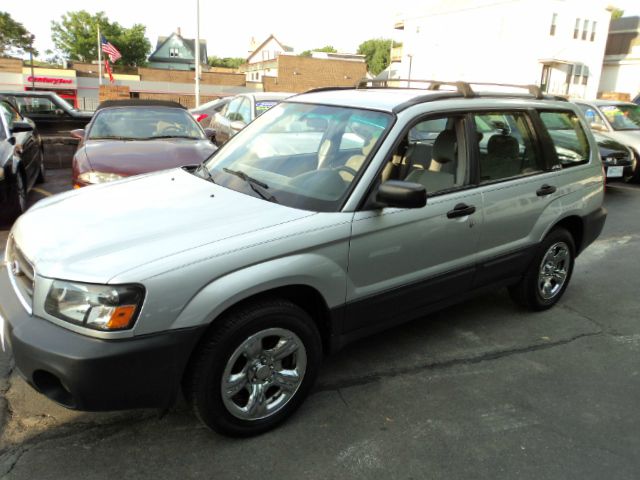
[{"x": 336, "y": 214}]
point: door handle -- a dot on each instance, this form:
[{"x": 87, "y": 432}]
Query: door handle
[
  {"x": 545, "y": 190},
  {"x": 461, "y": 210}
]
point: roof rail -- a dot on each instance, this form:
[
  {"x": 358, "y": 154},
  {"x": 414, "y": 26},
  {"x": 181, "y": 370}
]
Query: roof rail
[{"x": 464, "y": 88}]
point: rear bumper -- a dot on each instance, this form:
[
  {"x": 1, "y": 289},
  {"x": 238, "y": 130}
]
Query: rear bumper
[
  {"x": 91, "y": 374},
  {"x": 593, "y": 224}
]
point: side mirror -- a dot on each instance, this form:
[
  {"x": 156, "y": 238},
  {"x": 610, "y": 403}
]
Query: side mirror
[
  {"x": 78, "y": 133},
  {"x": 210, "y": 133},
  {"x": 237, "y": 125},
  {"x": 400, "y": 194},
  {"x": 598, "y": 127},
  {"x": 20, "y": 127}
]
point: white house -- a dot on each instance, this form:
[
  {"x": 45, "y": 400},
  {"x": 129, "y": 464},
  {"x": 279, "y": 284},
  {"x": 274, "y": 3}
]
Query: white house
[
  {"x": 262, "y": 59},
  {"x": 621, "y": 69},
  {"x": 558, "y": 44}
]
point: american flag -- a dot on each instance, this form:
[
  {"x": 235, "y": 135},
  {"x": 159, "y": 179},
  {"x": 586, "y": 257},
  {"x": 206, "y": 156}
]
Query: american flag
[{"x": 110, "y": 50}]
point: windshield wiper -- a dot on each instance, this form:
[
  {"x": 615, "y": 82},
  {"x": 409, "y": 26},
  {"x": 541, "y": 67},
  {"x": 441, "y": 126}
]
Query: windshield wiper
[
  {"x": 170, "y": 136},
  {"x": 113, "y": 137},
  {"x": 256, "y": 185}
]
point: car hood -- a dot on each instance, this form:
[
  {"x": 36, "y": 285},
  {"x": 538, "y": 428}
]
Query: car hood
[
  {"x": 608, "y": 145},
  {"x": 133, "y": 157},
  {"x": 95, "y": 233},
  {"x": 630, "y": 138}
]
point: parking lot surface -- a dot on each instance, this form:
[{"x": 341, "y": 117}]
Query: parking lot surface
[{"x": 482, "y": 390}]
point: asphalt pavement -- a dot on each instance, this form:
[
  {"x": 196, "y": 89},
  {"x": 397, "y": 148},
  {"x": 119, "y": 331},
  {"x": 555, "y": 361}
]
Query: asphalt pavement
[{"x": 483, "y": 390}]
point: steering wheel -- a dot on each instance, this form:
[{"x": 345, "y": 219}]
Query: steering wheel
[{"x": 171, "y": 131}]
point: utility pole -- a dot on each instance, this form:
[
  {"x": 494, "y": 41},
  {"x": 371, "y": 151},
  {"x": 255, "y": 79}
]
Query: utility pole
[
  {"x": 33, "y": 79},
  {"x": 197, "y": 53}
]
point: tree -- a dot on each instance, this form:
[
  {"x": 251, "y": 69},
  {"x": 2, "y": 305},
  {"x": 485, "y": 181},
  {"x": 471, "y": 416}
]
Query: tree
[
  {"x": 616, "y": 13},
  {"x": 226, "y": 62},
  {"x": 328, "y": 49},
  {"x": 13, "y": 36},
  {"x": 377, "y": 53},
  {"x": 76, "y": 37}
]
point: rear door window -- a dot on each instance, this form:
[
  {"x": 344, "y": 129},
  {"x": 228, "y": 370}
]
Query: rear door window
[
  {"x": 506, "y": 146},
  {"x": 569, "y": 139}
]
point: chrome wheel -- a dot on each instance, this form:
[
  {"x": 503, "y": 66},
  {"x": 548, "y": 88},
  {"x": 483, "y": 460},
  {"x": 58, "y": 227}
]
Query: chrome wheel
[
  {"x": 22, "y": 193},
  {"x": 263, "y": 374},
  {"x": 554, "y": 269}
]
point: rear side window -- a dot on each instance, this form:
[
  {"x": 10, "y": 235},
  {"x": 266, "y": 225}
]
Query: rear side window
[
  {"x": 569, "y": 139},
  {"x": 506, "y": 146}
]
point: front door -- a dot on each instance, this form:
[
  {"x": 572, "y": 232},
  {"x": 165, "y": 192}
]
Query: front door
[{"x": 403, "y": 261}]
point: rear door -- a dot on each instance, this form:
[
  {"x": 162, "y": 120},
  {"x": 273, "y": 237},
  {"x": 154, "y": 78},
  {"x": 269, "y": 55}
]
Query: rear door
[
  {"x": 403, "y": 261},
  {"x": 517, "y": 183}
]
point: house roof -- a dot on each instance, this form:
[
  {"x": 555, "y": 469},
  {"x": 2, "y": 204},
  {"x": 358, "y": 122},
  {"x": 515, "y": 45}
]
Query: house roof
[
  {"x": 285, "y": 48},
  {"x": 189, "y": 43}
]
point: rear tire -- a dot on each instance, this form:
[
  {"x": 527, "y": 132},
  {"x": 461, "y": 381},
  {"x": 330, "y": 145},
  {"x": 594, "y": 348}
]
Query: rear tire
[
  {"x": 254, "y": 368},
  {"x": 548, "y": 275},
  {"x": 42, "y": 174}
]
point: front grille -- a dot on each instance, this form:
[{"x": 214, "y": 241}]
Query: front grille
[
  {"x": 21, "y": 274},
  {"x": 619, "y": 158}
]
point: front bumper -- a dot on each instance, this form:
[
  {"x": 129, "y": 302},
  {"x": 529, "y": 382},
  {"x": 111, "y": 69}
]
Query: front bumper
[{"x": 91, "y": 374}]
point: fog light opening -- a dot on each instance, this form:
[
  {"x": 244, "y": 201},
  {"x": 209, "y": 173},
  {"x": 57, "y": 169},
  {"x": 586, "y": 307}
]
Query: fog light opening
[{"x": 51, "y": 386}]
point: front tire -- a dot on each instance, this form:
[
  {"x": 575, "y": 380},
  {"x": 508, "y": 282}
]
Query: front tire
[
  {"x": 547, "y": 278},
  {"x": 254, "y": 368}
]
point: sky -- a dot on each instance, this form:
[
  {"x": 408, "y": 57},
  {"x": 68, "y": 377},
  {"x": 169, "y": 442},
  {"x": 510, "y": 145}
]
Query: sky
[{"x": 228, "y": 26}]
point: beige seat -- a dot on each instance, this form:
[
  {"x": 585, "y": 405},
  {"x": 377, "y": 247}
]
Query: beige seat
[
  {"x": 502, "y": 160},
  {"x": 444, "y": 153},
  {"x": 356, "y": 161}
]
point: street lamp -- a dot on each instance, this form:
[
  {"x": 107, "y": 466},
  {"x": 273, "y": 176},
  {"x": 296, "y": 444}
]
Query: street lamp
[{"x": 33, "y": 79}]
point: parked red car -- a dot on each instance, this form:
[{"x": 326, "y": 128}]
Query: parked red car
[{"x": 130, "y": 137}]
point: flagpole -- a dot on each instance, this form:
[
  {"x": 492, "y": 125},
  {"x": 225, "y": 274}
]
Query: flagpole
[
  {"x": 197, "y": 53},
  {"x": 99, "y": 58}
]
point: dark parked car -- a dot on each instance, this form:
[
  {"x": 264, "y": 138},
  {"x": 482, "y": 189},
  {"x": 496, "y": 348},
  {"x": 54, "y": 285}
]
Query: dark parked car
[
  {"x": 52, "y": 115},
  {"x": 131, "y": 137},
  {"x": 241, "y": 110},
  {"x": 21, "y": 160},
  {"x": 205, "y": 112}
]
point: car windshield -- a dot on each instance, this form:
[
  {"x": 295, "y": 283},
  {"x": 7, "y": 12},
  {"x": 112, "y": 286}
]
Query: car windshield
[
  {"x": 300, "y": 155},
  {"x": 144, "y": 123},
  {"x": 622, "y": 117}
]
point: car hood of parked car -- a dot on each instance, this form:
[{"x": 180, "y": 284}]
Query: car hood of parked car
[
  {"x": 98, "y": 232},
  {"x": 133, "y": 157},
  {"x": 627, "y": 137},
  {"x": 608, "y": 145}
]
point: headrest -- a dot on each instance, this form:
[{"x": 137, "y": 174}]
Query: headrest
[
  {"x": 368, "y": 146},
  {"x": 503, "y": 146},
  {"x": 445, "y": 146}
]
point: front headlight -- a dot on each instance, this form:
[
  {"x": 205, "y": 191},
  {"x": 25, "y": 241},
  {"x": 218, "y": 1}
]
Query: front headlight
[
  {"x": 100, "y": 307},
  {"x": 99, "y": 177}
]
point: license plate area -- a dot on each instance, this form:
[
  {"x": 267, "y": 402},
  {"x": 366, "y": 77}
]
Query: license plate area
[{"x": 614, "y": 172}]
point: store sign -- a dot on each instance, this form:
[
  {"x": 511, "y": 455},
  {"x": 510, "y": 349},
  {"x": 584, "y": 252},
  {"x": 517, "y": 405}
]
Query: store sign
[{"x": 50, "y": 82}]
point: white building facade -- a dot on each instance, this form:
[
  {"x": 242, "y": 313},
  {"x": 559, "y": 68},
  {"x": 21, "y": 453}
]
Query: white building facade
[
  {"x": 621, "y": 70},
  {"x": 558, "y": 44}
]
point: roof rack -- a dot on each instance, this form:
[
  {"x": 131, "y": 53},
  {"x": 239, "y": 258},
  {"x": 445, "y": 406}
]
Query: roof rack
[{"x": 463, "y": 88}]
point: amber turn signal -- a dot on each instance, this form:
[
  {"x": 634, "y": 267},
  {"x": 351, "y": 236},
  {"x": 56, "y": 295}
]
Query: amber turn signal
[{"x": 121, "y": 317}]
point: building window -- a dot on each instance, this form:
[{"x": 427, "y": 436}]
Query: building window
[
  {"x": 593, "y": 31},
  {"x": 576, "y": 29},
  {"x": 554, "y": 19},
  {"x": 585, "y": 74},
  {"x": 585, "y": 29},
  {"x": 174, "y": 52}
]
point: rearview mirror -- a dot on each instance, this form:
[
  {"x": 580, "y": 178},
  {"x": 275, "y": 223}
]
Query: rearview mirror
[
  {"x": 400, "y": 194},
  {"x": 78, "y": 133},
  {"x": 20, "y": 127},
  {"x": 210, "y": 133}
]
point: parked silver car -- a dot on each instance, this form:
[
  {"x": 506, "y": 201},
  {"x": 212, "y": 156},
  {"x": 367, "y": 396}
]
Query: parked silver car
[
  {"x": 619, "y": 121},
  {"x": 336, "y": 214},
  {"x": 241, "y": 110}
]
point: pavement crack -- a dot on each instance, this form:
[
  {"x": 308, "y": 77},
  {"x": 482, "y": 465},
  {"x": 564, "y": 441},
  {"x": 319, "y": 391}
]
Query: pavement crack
[
  {"x": 342, "y": 398},
  {"x": 454, "y": 362},
  {"x": 589, "y": 319},
  {"x": 14, "y": 457}
]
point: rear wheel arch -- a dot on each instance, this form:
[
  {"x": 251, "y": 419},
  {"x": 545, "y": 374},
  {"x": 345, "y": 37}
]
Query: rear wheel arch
[{"x": 575, "y": 226}]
